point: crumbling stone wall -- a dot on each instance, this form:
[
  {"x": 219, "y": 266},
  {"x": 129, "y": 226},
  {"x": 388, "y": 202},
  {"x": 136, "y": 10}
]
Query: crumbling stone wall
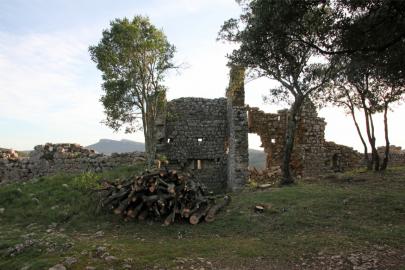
[
  {"x": 208, "y": 137},
  {"x": 194, "y": 138},
  {"x": 50, "y": 159},
  {"x": 395, "y": 159},
  {"x": 9, "y": 154},
  {"x": 238, "y": 145},
  {"x": 396, "y": 155},
  {"x": 312, "y": 155}
]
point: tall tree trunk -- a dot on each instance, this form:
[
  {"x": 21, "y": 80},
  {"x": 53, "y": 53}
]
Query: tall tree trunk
[
  {"x": 145, "y": 135},
  {"x": 289, "y": 141},
  {"x": 360, "y": 135},
  {"x": 371, "y": 161},
  {"x": 376, "y": 157},
  {"x": 387, "y": 141},
  {"x": 369, "y": 125},
  {"x": 150, "y": 143}
]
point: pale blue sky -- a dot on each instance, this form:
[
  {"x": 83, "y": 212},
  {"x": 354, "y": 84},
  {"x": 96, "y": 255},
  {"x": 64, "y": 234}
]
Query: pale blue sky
[{"x": 49, "y": 87}]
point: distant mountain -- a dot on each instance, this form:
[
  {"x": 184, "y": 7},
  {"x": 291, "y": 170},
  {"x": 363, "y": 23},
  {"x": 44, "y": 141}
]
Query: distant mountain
[
  {"x": 106, "y": 146},
  {"x": 257, "y": 159}
]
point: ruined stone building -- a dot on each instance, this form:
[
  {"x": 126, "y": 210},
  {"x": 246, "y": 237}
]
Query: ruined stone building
[
  {"x": 312, "y": 155},
  {"x": 210, "y": 138}
]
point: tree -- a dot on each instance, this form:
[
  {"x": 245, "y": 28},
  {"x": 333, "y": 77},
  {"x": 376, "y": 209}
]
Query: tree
[
  {"x": 371, "y": 28},
  {"x": 362, "y": 85},
  {"x": 133, "y": 56},
  {"x": 387, "y": 94},
  {"x": 267, "y": 45},
  {"x": 342, "y": 94}
]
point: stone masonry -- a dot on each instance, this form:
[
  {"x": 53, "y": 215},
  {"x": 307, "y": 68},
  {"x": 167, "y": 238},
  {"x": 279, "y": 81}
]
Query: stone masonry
[
  {"x": 207, "y": 137},
  {"x": 312, "y": 155},
  {"x": 50, "y": 159}
]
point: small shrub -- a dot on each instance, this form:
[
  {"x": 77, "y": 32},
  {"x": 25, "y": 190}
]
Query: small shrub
[{"x": 86, "y": 181}]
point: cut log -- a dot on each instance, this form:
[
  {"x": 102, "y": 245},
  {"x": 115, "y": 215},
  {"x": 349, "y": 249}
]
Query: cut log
[
  {"x": 134, "y": 212},
  {"x": 259, "y": 208},
  {"x": 170, "y": 218},
  {"x": 143, "y": 214},
  {"x": 123, "y": 205},
  {"x": 264, "y": 186},
  {"x": 210, "y": 217},
  {"x": 115, "y": 196},
  {"x": 195, "y": 218}
]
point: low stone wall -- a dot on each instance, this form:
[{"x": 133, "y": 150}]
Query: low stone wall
[
  {"x": 50, "y": 159},
  {"x": 396, "y": 159},
  {"x": 396, "y": 155},
  {"x": 340, "y": 158},
  {"x": 9, "y": 154}
]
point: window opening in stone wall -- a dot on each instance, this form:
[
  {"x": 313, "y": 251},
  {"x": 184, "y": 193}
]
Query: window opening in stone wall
[
  {"x": 336, "y": 163},
  {"x": 200, "y": 140},
  {"x": 273, "y": 140},
  {"x": 257, "y": 156},
  {"x": 170, "y": 140},
  {"x": 198, "y": 164},
  {"x": 278, "y": 118}
]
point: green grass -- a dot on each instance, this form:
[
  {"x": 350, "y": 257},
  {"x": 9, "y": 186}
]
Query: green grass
[{"x": 352, "y": 212}]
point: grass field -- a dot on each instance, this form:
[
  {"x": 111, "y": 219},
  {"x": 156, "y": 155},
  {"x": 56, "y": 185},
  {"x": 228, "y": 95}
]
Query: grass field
[{"x": 350, "y": 221}]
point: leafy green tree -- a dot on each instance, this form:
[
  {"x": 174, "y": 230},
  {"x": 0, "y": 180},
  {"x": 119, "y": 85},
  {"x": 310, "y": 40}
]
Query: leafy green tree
[
  {"x": 134, "y": 57},
  {"x": 267, "y": 32}
]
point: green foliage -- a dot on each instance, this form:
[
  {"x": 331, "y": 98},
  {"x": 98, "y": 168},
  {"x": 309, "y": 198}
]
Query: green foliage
[
  {"x": 134, "y": 57},
  {"x": 60, "y": 198},
  {"x": 162, "y": 158},
  {"x": 50, "y": 199},
  {"x": 267, "y": 43},
  {"x": 86, "y": 181}
]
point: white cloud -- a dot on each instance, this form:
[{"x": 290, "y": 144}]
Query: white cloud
[{"x": 44, "y": 84}]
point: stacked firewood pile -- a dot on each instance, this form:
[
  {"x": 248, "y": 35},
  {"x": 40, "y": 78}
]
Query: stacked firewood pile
[{"x": 160, "y": 195}]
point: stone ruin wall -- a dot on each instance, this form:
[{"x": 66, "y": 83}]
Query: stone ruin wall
[
  {"x": 192, "y": 135},
  {"x": 396, "y": 155},
  {"x": 50, "y": 159},
  {"x": 312, "y": 155},
  {"x": 208, "y": 137},
  {"x": 395, "y": 159},
  {"x": 202, "y": 136},
  {"x": 238, "y": 143}
]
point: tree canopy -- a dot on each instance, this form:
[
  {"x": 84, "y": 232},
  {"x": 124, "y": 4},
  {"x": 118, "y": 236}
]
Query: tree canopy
[
  {"x": 267, "y": 32},
  {"x": 134, "y": 57}
]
